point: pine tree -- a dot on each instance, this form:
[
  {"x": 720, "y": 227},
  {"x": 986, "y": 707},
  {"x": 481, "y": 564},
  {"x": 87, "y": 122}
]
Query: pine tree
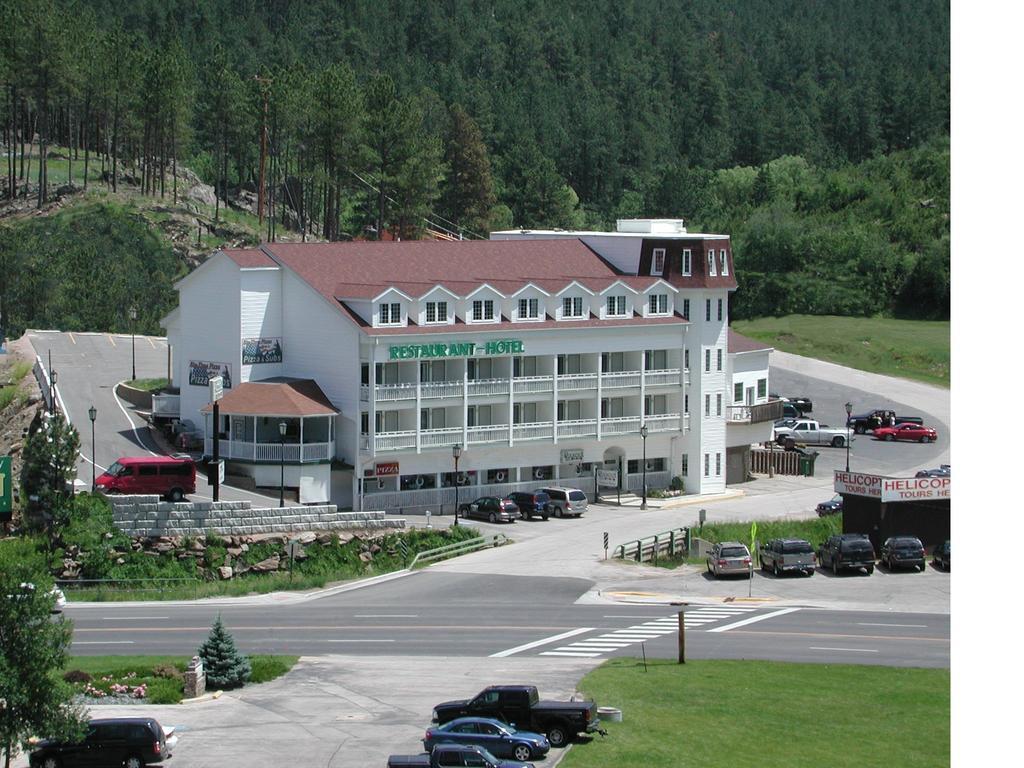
[
  {"x": 468, "y": 197},
  {"x": 50, "y": 456},
  {"x": 225, "y": 667}
]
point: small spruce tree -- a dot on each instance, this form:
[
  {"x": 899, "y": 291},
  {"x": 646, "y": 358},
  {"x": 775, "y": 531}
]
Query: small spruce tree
[{"x": 225, "y": 667}]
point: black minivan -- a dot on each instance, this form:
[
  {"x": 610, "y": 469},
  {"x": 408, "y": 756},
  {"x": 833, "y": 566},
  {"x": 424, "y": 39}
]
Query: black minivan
[
  {"x": 531, "y": 503},
  {"x": 131, "y": 742}
]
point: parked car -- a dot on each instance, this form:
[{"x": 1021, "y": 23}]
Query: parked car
[
  {"x": 903, "y": 552},
  {"x": 492, "y": 509},
  {"x": 729, "y": 558},
  {"x": 531, "y": 503},
  {"x": 800, "y": 404},
  {"x": 28, "y": 588},
  {"x": 785, "y": 555},
  {"x": 495, "y": 736},
  {"x": 813, "y": 433},
  {"x": 566, "y": 501},
  {"x": 940, "y": 556},
  {"x": 161, "y": 475},
  {"x": 831, "y": 507},
  {"x": 847, "y": 551},
  {"x": 915, "y": 432},
  {"x": 129, "y": 742},
  {"x": 879, "y": 417},
  {"x": 454, "y": 756},
  {"x": 522, "y": 707},
  {"x": 940, "y": 471}
]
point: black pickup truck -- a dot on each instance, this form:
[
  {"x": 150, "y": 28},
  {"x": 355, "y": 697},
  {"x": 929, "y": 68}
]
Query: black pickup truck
[
  {"x": 801, "y": 405},
  {"x": 446, "y": 755},
  {"x": 879, "y": 417},
  {"x": 521, "y": 706}
]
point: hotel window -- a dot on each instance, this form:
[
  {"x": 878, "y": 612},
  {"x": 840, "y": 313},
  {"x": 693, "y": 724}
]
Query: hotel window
[
  {"x": 568, "y": 410},
  {"x": 432, "y": 418},
  {"x": 719, "y": 359},
  {"x": 718, "y": 465},
  {"x": 479, "y": 368},
  {"x": 386, "y": 421},
  {"x": 655, "y": 359},
  {"x": 686, "y": 358},
  {"x": 686, "y": 403},
  {"x": 568, "y": 364},
  {"x": 612, "y": 407},
  {"x": 707, "y": 405},
  {"x": 687, "y": 262},
  {"x": 433, "y": 370},
  {"x": 707, "y": 361},
  {"x": 686, "y": 309},
  {"x": 390, "y": 314},
  {"x": 720, "y": 302},
  {"x": 524, "y": 366},
  {"x": 655, "y": 405},
  {"x": 725, "y": 262},
  {"x": 478, "y": 416},
  {"x": 658, "y": 262},
  {"x": 364, "y": 423},
  {"x": 613, "y": 362},
  {"x": 762, "y": 387},
  {"x": 707, "y": 465},
  {"x": 572, "y": 306},
  {"x": 718, "y": 404},
  {"x": 616, "y": 306},
  {"x": 737, "y": 392},
  {"x": 524, "y": 413},
  {"x": 529, "y": 309},
  {"x": 707, "y": 310},
  {"x": 685, "y": 469},
  {"x": 712, "y": 272},
  {"x": 657, "y": 304},
  {"x": 437, "y": 311},
  {"x": 483, "y": 310}
]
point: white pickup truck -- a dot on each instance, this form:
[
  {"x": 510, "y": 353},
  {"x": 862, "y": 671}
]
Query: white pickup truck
[{"x": 812, "y": 433}]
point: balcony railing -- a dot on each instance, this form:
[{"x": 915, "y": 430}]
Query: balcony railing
[
  {"x": 755, "y": 414},
  {"x": 396, "y": 441},
  {"x": 294, "y": 453},
  {"x": 666, "y": 377},
  {"x": 620, "y": 425},
  {"x": 576, "y": 381},
  {"x": 434, "y": 389},
  {"x": 577, "y": 428},
  {"x": 662, "y": 422},
  {"x": 522, "y": 385},
  {"x": 488, "y": 387},
  {"x": 620, "y": 379},
  {"x": 391, "y": 392},
  {"x": 487, "y": 433},
  {"x": 538, "y": 430},
  {"x": 436, "y": 438}
]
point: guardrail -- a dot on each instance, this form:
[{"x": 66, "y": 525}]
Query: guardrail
[
  {"x": 460, "y": 548},
  {"x": 672, "y": 542},
  {"x": 128, "y": 585}
]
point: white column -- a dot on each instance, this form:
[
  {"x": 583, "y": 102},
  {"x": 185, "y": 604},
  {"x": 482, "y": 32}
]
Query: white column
[
  {"x": 372, "y": 406},
  {"x": 511, "y": 400},
  {"x": 465, "y": 405},
  {"x": 302, "y": 439},
  {"x": 600, "y": 377},
  {"x": 419, "y": 405},
  {"x": 554, "y": 399}
]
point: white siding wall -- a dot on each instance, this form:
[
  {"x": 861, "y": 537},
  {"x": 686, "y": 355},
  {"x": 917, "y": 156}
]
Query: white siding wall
[
  {"x": 747, "y": 368},
  {"x": 261, "y": 316},
  {"x": 708, "y": 432},
  {"x": 209, "y": 312}
]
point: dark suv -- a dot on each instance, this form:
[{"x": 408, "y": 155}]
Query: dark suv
[
  {"x": 847, "y": 551},
  {"x": 535, "y": 504},
  {"x": 130, "y": 742},
  {"x": 903, "y": 552}
]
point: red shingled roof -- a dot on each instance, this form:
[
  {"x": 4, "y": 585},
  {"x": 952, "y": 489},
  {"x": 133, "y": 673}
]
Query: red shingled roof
[
  {"x": 249, "y": 257},
  {"x": 276, "y": 397},
  {"x": 364, "y": 270},
  {"x": 738, "y": 343}
]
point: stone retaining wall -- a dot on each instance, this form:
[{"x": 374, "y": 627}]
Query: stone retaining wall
[
  {"x": 149, "y": 516},
  {"x": 140, "y": 398}
]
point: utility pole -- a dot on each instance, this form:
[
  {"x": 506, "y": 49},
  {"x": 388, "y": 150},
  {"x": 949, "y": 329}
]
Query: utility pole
[{"x": 260, "y": 193}]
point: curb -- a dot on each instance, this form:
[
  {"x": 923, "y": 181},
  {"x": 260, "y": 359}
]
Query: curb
[{"x": 205, "y": 697}]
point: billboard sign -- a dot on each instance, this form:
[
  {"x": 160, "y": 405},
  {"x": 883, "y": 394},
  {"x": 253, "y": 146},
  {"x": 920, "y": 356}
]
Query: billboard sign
[
  {"x": 572, "y": 455},
  {"x": 200, "y": 372},
  {"x": 607, "y": 478},
  {"x": 888, "y": 489},
  {"x": 256, "y": 351},
  {"x": 385, "y": 468}
]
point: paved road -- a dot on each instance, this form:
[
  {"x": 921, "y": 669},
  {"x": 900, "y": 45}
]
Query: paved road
[{"x": 89, "y": 367}]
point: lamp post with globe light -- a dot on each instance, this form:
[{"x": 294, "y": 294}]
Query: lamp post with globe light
[
  {"x": 849, "y": 411},
  {"x": 456, "y": 454}
]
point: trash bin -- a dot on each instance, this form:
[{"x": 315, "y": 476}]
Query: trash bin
[{"x": 807, "y": 463}]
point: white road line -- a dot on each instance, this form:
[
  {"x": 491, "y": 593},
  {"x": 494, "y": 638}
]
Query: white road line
[
  {"x": 369, "y": 640},
  {"x": 134, "y": 618},
  {"x": 871, "y": 624},
  {"x": 849, "y": 650},
  {"x": 623, "y": 616},
  {"x": 386, "y": 616},
  {"x": 135, "y": 429},
  {"x": 580, "y": 655},
  {"x": 585, "y": 646},
  {"x": 753, "y": 619},
  {"x": 536, "y": 643},
  {"x": 103, "y": 642}
]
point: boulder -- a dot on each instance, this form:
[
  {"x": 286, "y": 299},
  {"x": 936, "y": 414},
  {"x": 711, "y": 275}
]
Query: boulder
[
  {"x": 225, "y": 572},
  {"x": 365, "y": 557},
  {"x": 306, "y": 537},
  {"x": 272, "y": 563},
  {"x": 201, "y": 193}
]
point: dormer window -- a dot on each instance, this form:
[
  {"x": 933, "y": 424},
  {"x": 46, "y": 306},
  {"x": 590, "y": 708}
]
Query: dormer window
[
  {"x": 572, "y": 307},
  {"x": 687, "y": 262},
  {"x": 389, "y": 314},
  {"x": 725, "y": 262},
  {"x": 657, "y": 304},
  {"x": 616, "y": 306},
  {"x": 658, "y": 262},
  {"x": 483, "y": 310},
  {"x": 711, "y": 263},
  {"x": 529, "y": 309},
  {"x": 437, "y": 311}
]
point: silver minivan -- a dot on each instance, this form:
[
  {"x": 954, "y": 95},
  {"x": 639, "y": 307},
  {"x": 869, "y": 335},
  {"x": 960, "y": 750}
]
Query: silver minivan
[{"x": 566, "y": 501}]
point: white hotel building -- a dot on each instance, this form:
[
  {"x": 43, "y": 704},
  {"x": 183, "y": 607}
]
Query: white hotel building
[{"x": 540, "y": 353}]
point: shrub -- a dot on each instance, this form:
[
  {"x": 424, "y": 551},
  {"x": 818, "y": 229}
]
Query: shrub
[
  {"x": 168, "y": 672},
  {"x": 163, "y": 691},
  {"x": 77, "y": 676},
  {"x": 677, "y": 483}
]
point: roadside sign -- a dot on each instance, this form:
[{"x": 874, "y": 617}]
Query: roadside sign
[
  {"x": 5, "y": 488},
  {"x": 607, "y": 478},
  {"x": 385, "y": 468},
  {"x": 216, "y": 388},
  {"x": 571, "y": 455},
  {"x": 217, "y": 472}
]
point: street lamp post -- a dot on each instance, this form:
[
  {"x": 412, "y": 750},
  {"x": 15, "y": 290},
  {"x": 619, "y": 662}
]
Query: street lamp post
[
  {"x": 456, "y": 454},
  {"x": 643, "y": 435},
  {"x": 133, "y": 313},
  {"x": 53, "y": 391},
  {"x": 849, "y": 410},
  {"x": 282, "y": 427},
  {"x": 92, "y": 420}
]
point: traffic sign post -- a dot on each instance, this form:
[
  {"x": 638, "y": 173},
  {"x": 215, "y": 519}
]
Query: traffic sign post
[
  {"x": 216, "y": 393},
  {"x": 606, "y": 545}
]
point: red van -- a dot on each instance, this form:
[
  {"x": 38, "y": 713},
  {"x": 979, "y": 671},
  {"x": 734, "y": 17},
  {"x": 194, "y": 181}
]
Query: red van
[{"x": 161, "y": 475}]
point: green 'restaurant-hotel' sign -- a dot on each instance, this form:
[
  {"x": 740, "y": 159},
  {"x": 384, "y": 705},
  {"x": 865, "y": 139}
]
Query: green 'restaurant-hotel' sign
[{"x": 456, "y": 349}]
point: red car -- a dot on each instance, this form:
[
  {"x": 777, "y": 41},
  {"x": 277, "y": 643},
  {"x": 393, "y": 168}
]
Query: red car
[{"x": 914, "y": 432}]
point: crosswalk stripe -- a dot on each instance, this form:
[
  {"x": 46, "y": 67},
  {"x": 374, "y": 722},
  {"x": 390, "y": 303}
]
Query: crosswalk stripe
[{"x": 570, "y": 653}]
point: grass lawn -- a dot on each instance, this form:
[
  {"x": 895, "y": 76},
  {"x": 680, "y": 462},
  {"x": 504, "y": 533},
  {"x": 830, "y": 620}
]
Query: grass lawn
[
  {"x": 912, "y": 349},
  {"x": 148, "y": 385},
  {"x": 161, "y": 675},
  {"x": 723, "y": 713}
]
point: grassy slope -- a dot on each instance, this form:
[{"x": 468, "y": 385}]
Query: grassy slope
[
  {"x": 714, "y": 713},
  {"x": 913, "y": 349}
]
